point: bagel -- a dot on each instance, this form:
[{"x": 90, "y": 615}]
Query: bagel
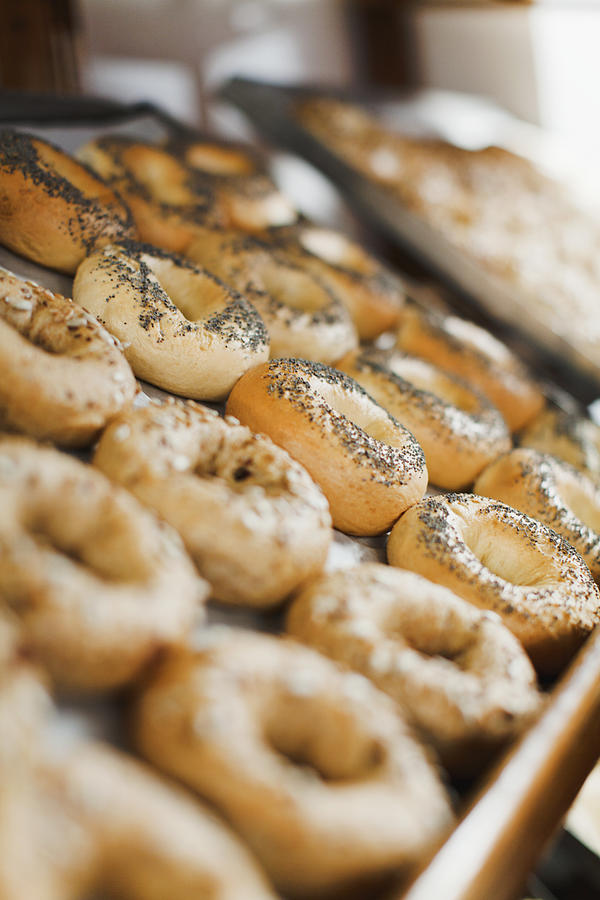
[
  {"x": 461, "y": 677},
  {"x": 502, "y": 560},
  {"x": 25, "y": 702},
  {"x": 245, "y": 720},
  {"x": 97, "y": 583},
  {"x": 88, "y": 818},
  {"x": 63, "y": 376},
  {"x": 303, "y": 318},
  {"x": 472, "y": 353},
  {"x": 53, "y": 210},
  {"x": 251, "y": 518},
  {"x": 168, "y": 208},
  {"x": 368, "y": 466},
  {"x": 457, "y": 427},
  {"x": 553, "y": 492},
  {"x": 572, "y": 438},
  {"x": 247, "y": 197},
  {"x": 186, "y": 331},
  {"x": 373, "y": 295}
]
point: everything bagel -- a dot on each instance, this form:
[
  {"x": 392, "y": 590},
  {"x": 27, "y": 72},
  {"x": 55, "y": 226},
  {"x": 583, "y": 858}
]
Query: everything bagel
[
  {"x": 54, "y": 210},
  {"x": 472, "y": 353},
  {"x": 96, "y": 582},
  {"x": 369, "y": 467},
  {"x": 459, "y": 430},
  {"x": 186, "y": 331},
  {"x": 502, "y": 560},
  {"x": 372, "y": 293},
  {"x": 303, "y": 317},
  {"x": 248, "y": 719},
  {"x": 251, "y": 518},
  {"x": 63, "y": 376},
  {"x": 460, "y": 675},
  {"x": 553, "y": 492}
]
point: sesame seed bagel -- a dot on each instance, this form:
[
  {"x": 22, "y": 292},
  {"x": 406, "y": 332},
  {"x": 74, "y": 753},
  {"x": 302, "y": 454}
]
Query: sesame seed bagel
[
  {"x": 169, "y": 208},
  {"x": 254, "y": 522},
  {"x": 303, "y": 317},
  {"x": 502, "y": 560},
  {"x": 461, "y": 677},
  {"x": 89, "y": 819},
  {"x": 97, "y": 583},
  {"x": 572, "y": 438},
  {"x": 472, "y": 353},
  {"x": 372, "y": 293},
  {"x": 244, "y": 720},
  {"x": 457, "y": 427},
  {"x": 63, "y": 377},
  {"x": 369, "y": 466},
  {"x": 54, "y": 210},
  {"x": 553, "y": 492},
  {"x": 186, "y": 331},
  {"x": 247, "y": 196}
]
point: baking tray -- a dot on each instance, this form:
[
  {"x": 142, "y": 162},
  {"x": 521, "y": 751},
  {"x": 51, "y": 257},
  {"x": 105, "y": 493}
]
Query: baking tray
[
  {"x": 270, "y": 107},
  {"x": 521, "y": 802}
]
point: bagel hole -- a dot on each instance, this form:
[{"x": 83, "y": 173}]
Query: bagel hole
[
  {"x": 500, "y": 550},
  {"x": 293, "y": 287},
  {"x": 364, "y": 413},
  {"x": 312, "y": 735},
  {"x": 581, "y": 499},
  {"x": 196, "y": 295}
]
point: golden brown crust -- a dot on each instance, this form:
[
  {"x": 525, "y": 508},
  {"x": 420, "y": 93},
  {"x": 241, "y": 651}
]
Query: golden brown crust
[
  {"x": 245, "y": 194},
  {"x": 168, "y": 208},
  {"x": 457, "y": 427},
  {"x": 242, "y": 720},
  {"x": 464, "y": 349},
  {"x": 461, "y": 677},
  {"x": 186, "y": 331},
  {"x": 89, "y": 818},
  {"x": 502, "y": 560},
  {"x": 369, "y": 467},
  {"x": 97, "y": 583},
  {"x": 552, "y": 492},
  {"x": 372, "y": 293},
  {"x": 303, "y": 316},
  {"x": 54, "y": 210},
  {"x": 251, "y": 518},
  {"x": 63, "y": 376},
  {"x": 573, "y": 438}
]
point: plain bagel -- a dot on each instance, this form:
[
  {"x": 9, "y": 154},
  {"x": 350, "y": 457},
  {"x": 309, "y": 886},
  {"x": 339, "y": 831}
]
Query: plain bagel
[
  {"x": 502, "y": 560},
  {"x": 553, "y": 492},
  {"x": 63, "y": 375},
  {"x": 54, "y": 210},
  {"x": 97, "y": 582},
  {"x": 254, "y": 522},
  {"x": 369, "y": 467},
  {"x": 462, "y": 678},
  {"x": 245, "y": 718},
  {"x": 457, "y": 427},
  {"x": 186, "y": 331}
]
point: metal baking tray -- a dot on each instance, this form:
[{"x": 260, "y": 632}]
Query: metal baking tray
[
  {"x": 520, "y": 803},
  {"x": 270, "y": 108}
]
